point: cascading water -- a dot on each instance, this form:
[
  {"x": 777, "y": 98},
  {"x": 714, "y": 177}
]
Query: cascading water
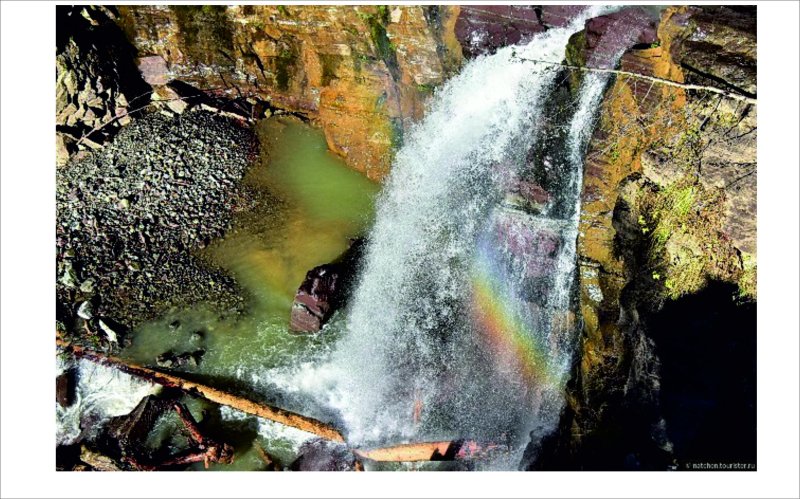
[{"x": 461, "y": 325}]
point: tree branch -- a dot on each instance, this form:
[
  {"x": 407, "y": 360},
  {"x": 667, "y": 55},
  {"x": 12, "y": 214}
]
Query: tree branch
[{"x": 662, "y": 81}]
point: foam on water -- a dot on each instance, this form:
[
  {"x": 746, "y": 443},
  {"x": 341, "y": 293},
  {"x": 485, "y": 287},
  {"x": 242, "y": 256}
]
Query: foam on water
[{"x": 100, "y": 394}]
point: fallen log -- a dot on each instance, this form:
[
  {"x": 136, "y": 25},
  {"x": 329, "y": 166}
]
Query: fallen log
[
  {"x": 261, "y": 410},
  {"x": 451, "y": 450}
]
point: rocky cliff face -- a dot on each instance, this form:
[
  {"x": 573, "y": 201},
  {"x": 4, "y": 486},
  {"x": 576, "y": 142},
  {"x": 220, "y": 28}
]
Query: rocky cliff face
[
  {"x": 362, "y": 73},
  {"x": 97, "y": 81},
  {"x": 668, "y": 216},
  {"x": 668, "y": 220}
]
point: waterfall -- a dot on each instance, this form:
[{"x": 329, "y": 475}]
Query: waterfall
[
  {"x": 463, "y": 322},
  {"x": 460, "y": 324}
]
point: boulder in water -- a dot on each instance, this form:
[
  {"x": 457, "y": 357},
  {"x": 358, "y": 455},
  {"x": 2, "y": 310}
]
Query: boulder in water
[
  {"x": 323, "y": 291},
  {"x": 316, "y": 299},
  {"x": 65, "y": 387},
  {"x": 186, "y": 359},
  {"x": 323, "y": 455}
]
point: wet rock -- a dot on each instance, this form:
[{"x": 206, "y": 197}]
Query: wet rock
[
  {"x": 533, "y": 244},
  {"x": 66, "y": 384},
  {"x": 316, "y": 299},
  {"x": 125, "y": 435},
  {"x": 196, "y": 337},
  {"x": 527, "y": 195},
  {"x": 86, "y": 310},
  {"x": 170, "y": 360},
  {"x": 559, "y": 16},
  {"x": 608, "y": 35},
  {"x": 482, "y": 29},
  {"x": 323, "y": 291},
  {"x": 323, "y": 455}
]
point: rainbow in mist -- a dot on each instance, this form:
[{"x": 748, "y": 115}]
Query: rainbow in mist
[{"x": 508, "y": 327}]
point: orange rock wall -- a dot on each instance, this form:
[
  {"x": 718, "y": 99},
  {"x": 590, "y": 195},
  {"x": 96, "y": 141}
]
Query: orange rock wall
[{"x": 363, "y": 73}]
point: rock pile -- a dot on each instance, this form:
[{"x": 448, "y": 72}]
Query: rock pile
[{"x": 130, "y": 215}]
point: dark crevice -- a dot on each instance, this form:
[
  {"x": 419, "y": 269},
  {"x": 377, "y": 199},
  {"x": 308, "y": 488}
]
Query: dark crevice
[{"x": 716, "y": 79}]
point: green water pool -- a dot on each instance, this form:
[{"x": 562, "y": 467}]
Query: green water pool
[{"x": 309, "y": 206}]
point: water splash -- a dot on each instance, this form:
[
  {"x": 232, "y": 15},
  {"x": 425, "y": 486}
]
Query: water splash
[
  {"x": 439, "y": 343},
  {"x": 101, "y": 393},
  {"x": 463, "y": 323}
]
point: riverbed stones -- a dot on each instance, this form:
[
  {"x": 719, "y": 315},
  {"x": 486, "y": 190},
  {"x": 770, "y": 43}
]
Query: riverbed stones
[
  {"x": 86, "y": 310},
  {"x": 130, "y": 216}
]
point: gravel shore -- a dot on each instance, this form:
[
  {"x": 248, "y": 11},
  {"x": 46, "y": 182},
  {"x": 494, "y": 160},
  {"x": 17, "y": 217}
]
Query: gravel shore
[{"x": 130, "y": 218}]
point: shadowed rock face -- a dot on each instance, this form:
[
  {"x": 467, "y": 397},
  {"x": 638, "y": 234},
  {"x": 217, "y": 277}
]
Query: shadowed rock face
[
  {"x": 96, "y": 79},
  {"x": 667, "y": 220},
  {"x": 607, "y": 36}
]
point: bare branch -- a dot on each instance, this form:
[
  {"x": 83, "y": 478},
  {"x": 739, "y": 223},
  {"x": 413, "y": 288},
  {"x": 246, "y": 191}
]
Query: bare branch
[{"x": 662, "y": 81}]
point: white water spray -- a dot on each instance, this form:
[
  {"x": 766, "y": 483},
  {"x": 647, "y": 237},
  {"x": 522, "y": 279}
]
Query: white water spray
[{"x": 411, "y": 365}]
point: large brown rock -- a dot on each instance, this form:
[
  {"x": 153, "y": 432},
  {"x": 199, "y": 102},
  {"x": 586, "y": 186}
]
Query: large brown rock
[
  {"x": 482, "y": 29},
  {"x": 316, "y": 299},
  {"x": 324, "y": 290}
]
